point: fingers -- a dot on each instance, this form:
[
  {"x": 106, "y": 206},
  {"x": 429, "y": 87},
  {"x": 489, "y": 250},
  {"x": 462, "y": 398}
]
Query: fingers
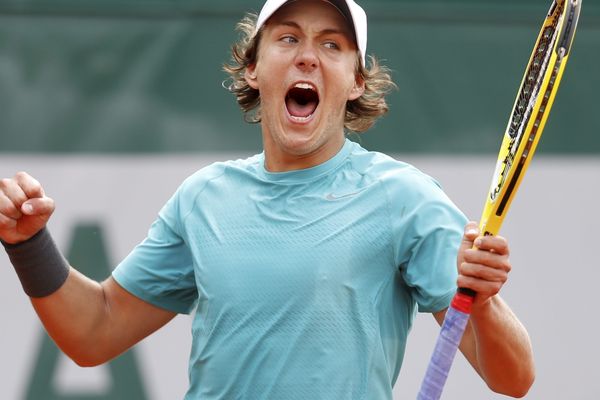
[
  {"x": 484, "y": 277},
  {"x": 485, "y": 289},
  {"x": 7, "y": 222},
  {"x": 18, "y": 191},
  {"x": 494, "y": 244},
  {"x": 492, "y": 273},
  {"x": 24, "y": 208},
  {"x": 9, "y": 207},
  {"x": 494, "y": 257},
  {"x": 30, "y": 186},
  {"x": 484, "y": 262}
]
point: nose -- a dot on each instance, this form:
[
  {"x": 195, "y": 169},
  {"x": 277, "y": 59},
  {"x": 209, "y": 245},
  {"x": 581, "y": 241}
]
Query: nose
[{"x": 307, "y": 59}]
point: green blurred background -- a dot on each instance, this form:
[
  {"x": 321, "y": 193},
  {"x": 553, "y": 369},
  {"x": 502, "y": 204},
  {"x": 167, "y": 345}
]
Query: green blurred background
[{"x": 144, "y": 76}]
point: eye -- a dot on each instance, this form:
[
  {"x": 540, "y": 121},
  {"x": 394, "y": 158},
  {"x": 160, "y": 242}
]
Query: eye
[
  {"x": 331, "y": 45},
  {"x": 289, "y": 39}
]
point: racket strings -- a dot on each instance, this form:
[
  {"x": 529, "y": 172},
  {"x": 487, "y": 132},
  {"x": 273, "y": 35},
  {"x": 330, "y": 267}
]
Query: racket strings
[
  {"x": 543, "y": 107},
  {"x": 545, "y": 48},
  {"x": 533, "y": 80},
  {"x": 524, "y": 107}
]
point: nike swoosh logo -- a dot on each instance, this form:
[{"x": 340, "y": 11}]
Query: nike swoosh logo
[{"x": 332, "y": 196}]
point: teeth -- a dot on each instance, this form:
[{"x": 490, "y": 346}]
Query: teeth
[
  {"x": 304, "y": 85},
  {"x": 301, "y": 119}
]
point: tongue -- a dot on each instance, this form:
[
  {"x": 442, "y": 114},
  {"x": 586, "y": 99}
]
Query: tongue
[{"x": 300, "y": 110}]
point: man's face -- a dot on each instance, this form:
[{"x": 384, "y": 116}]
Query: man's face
[{"x": 305, "y": 73}]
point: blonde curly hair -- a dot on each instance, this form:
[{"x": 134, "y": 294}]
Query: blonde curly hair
[{"x": 361, "y": 113}]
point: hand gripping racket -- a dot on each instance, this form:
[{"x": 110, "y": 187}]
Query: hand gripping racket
[{"x": 530, "y": 112}]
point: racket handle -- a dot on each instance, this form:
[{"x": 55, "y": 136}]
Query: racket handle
[
  {"x": 468, "y": 292},
  {"x": 447, "y": 343}
]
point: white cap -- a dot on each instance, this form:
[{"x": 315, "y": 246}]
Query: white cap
[{"x": 352, "y": 11}]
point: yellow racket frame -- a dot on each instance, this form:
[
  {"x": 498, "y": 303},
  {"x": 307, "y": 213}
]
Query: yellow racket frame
[{"x": 514, "y": 157}]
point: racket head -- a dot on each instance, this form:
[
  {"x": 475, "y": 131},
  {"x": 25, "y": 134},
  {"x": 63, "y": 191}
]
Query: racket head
[{"x": 531, "y": 109}]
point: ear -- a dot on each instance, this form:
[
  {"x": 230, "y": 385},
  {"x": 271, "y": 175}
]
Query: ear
[
  {"x": 250, "y": 76},
  {"x": 358, "y": 89}
]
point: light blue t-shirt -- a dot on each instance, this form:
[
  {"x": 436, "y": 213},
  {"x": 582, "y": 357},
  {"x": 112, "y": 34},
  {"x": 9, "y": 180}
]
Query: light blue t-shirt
[{"x": 305, "y": 283}]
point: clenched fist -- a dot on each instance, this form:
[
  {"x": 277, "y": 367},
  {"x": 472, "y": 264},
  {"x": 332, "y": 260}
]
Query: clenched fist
[{"x": 24, "y": 208}]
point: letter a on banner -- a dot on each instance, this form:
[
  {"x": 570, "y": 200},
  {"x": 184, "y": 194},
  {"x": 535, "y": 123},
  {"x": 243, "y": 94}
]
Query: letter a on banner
[{"x": 88, "y": 254}]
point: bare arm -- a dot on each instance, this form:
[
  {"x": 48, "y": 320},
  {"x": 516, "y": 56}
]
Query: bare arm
[
  {"x": 497, "y": 346},
  {"x": 91, "y": 322},
  {"x": 495, "y": 342},
  {"x": 94, "y": 322}
]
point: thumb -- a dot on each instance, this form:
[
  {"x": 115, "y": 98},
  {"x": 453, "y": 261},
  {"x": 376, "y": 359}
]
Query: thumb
[
  {"x": 470, "y": 234},
  {"x": 41, "y": 207}
]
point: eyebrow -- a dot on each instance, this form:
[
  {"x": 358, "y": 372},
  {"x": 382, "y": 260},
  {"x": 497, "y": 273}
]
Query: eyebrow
[{"x": 326, "y": 31}]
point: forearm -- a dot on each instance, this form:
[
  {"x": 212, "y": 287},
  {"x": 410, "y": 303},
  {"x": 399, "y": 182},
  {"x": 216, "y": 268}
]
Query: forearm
[
  {"x": 71, "y": 306},
  {"x": 503, "y": 353},
  {"x": 76, "y": 316},
  {"x": 94, "y": 322}
]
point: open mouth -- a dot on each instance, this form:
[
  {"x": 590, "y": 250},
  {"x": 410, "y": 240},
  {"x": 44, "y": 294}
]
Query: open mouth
[{"x": 301, "y": 101}]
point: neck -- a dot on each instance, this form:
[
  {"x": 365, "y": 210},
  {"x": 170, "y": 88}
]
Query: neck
[{"x": 279, "y": 160}]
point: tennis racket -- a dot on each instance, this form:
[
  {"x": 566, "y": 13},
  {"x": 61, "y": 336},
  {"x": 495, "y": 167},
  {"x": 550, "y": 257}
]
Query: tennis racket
[{"x": 526, "y": 123}]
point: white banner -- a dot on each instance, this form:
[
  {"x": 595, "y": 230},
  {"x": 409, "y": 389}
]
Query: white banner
[{"x": 552, "y": 228}]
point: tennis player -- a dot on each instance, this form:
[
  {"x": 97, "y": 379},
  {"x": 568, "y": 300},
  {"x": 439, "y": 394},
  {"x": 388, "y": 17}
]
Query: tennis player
[{"x": 304, "y": 264}]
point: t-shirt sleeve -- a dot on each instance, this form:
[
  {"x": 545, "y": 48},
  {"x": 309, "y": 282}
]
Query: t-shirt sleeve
[
  {"x": 160, "y": 269},
  {"x": 429, "y": 229}
]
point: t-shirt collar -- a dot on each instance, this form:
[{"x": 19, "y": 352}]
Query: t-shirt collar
[{"x": 307, "y": 174}]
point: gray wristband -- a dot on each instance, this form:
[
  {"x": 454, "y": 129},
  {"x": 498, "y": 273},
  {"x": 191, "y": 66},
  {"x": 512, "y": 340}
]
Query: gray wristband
[{"x": 39, "y": 264}]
